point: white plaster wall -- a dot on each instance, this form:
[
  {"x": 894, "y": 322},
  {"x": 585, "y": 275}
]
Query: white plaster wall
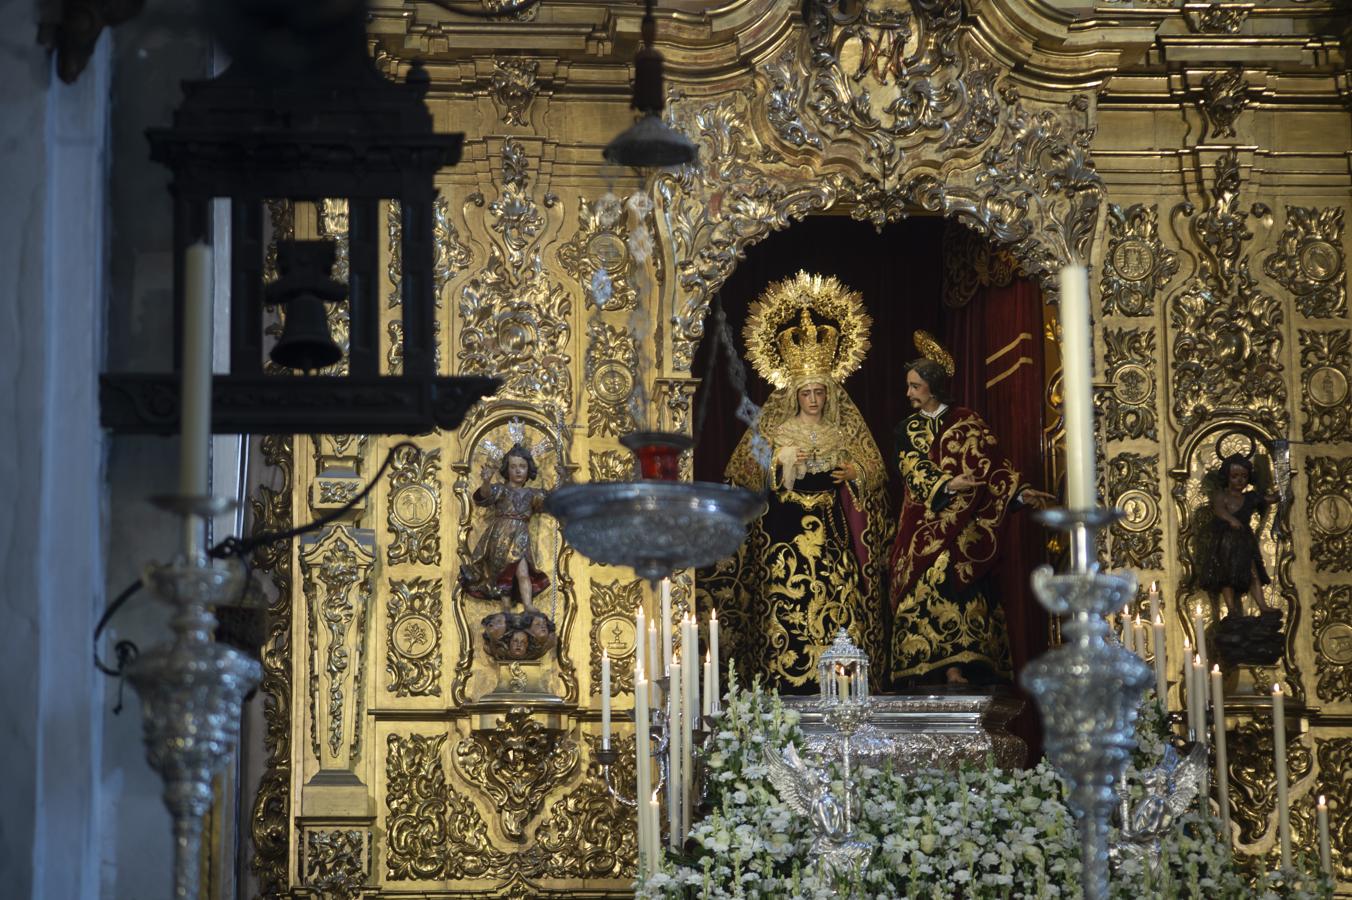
[{"x": 53, "y": 160}]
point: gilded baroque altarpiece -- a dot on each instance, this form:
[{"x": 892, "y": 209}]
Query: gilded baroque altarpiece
[{"x": 1195, "y": 157}]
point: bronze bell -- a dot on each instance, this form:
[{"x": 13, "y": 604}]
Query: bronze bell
[{"x": 303, "y": 286}]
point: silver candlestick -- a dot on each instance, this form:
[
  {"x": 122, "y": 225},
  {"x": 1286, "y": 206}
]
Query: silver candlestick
[
  {"x": 192, "y": 687},
  {"x": 1089, "y": 689}
]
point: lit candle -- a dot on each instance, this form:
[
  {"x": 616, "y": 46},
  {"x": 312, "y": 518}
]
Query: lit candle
[
  {"x": 1161, "y": 674},
  {"x": 1199, "y": 630},
  {"x": 1222, "y": 761},
  {"x": 666, "y": 622},
  {"x": 707, "y": 706},
  {"x": 1138, "y": 637},
  {"x": 195, "y": 416},
  {"x": 1185, "y": 693},
  {"x": 1152, "y": 600},
  {"x": 605, "y": 701},
  {"x": 1128, "y": 636},
  {"x": 717, "y": 680},
  {"x": 1322, "y": 817},
  {"x": 640, "y": 636},
  {"x": 842, "y": 683},
  {"x": 1077, "y": 388},
  {"x": 643, "y": 767},
  {"x": 1279, "y": 754},
  {"x": 654, "y": 829},
  {"x": 674, "y": 754}
]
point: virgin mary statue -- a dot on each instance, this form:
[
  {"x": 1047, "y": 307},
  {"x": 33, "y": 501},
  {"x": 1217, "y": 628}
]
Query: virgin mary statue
[{"x": 813, "y": 564}]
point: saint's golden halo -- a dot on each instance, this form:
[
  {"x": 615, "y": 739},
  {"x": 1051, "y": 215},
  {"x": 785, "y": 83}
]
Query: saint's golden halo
[
  {"x": 781, "y": 307},
  {"x": 932, "y": 350}
]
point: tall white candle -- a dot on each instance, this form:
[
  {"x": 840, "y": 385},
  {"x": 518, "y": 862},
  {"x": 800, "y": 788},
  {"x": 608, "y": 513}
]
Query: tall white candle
[
  {"x": 195, "y": 417},
  {"x": 643, "y": 769},
  {"x": 1152, "y": 600},
  {"x": 707, "y": 703},
  {"x": 1321, "y": 812},
  {"x": 1199, "y": 630},
  {"x": 1077, "y": 387},
  {"x": 655, "y": 829},
  {"x": 1161, "y": 673},
  {"x": 605, "y": 700},
  {"x": 1185, "y": 692},
  {"x": 1128, "y": 636},
  {"x": 1222, "y": 760},
  {"x": 640, "y": 643},
  {"x": 652, "y": 655},
  {"x": 1279, "y": 761},
  {"x": 1199, "y": 679},
  {"x": 1138, "y": 637},
  {"x": 689, "y": 715},
  {"x": 717, "y": 677},
  {"x": 666, "y": 622},
  {"x": 674, "y": 726}
]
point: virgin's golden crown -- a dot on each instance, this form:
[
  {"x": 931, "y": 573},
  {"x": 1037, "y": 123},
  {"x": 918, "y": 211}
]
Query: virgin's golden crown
[{"x": 808, "y": 349}]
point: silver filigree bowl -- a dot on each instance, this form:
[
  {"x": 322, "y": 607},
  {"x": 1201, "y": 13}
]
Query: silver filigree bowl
[{"x": 655, "y": 527}]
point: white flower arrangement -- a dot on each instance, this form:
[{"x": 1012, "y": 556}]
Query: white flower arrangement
[{"x": 976, "y": 833}]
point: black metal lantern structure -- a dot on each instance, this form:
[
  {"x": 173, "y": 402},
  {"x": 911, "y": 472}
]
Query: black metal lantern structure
[{"x": 302, "y": 114}]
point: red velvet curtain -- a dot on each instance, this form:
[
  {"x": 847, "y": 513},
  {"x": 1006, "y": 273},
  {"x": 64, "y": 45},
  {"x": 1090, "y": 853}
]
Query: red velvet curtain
[{"x": 997, "y": 341}]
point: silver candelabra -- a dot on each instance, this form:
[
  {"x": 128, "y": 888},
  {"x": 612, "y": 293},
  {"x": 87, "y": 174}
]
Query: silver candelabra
[
  {"x": 1089, "y": 689},
  {"x": 192, "y": 687}
]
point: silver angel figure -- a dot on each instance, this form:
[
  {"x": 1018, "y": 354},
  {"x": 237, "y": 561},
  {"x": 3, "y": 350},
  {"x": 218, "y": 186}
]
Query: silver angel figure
[
  {"x": 1170, "y": 790},
  {"x": 806, "y": 790}
]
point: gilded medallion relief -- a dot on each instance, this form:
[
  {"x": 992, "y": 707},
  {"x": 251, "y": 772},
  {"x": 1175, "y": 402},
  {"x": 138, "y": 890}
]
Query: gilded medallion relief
[
  {"x": 598, "y": 255},
  {"x": 1136, "y": 264},
  {"x": 1128, "y": 407},
  {"x": 515, "y": 320},
  {"x": 516, "y": 765},
  {"x": 336, "y": 862},
  {"x": 338, "y": 471},
  {"x": 1133, "y": 483},
  {"x": 1330, "y": 513},
  {"x": 1227, "y": 333},
  {"x": 1308, "y": 261},
  {"x": 610, "y": 465},
  {"x": 613, "y": 607},
  {"x": 1224, "y": 96},
  {"x": 515, "y": 85},
  {"x": 610, "y": 372},
  {"x": 434, "y": 832},
  {"x": 1325, "y": 367},
  {"x": 1331, "y": 626},
  {"x": 413, "y": 637},
  {"x": 588, "y": 833},
  {"x": 335, "y": 569},
  {"x": 413, "y": 514}
]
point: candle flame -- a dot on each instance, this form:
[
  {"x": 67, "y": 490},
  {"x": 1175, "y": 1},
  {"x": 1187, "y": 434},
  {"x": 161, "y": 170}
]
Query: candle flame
[
  {"x": 1277, "y": 688},
  {"x": 1186, "y": 645},
  {"x": 1138, "y": 618},
  {"x": 1158, "y": 620},
  {"x": 713, "y": 615},
  {"x": 1321, "y": 800},
  {"x": 1215, "y": 670},
  {"x": 1154, "y": 587},
  {"x": 1197, "y": 660}
]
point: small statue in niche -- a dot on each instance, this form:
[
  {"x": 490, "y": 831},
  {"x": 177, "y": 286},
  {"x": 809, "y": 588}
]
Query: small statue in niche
[
  {"x": 502, "y": 565},
  {"x": 1232, "y": 563}
]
